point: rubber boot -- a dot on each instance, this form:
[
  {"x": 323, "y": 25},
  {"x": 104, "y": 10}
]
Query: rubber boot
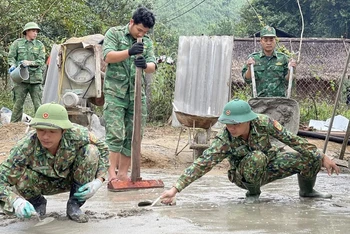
[
  {"x": 306, "y": 186},
  {"x": 73, "y": 206},
  {"x": 252, "y": 196},
  {"x": 39, "y": 202}
]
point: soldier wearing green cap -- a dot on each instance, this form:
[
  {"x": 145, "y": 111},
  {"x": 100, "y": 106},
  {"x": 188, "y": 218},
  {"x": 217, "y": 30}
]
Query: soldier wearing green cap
[
  {"x": 56, "y": 157},
  {"x": 254, "y": 161},
  {"x": 271, "y": 68},
  {"x": 28, "y": 52}
]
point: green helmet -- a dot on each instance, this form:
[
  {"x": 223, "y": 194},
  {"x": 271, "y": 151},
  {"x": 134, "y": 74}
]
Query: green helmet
[
  {"x": 30, "y": 25},
  {"x": 51, "y": 116},
  {"x": 268, "y": 31},
  {"x": 237, "y": 111}
]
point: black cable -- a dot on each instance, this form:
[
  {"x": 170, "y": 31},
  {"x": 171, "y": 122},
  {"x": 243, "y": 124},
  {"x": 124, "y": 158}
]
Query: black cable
[
  {"x": 174, "y": 13},
  {"x": 184, "y": 12}
]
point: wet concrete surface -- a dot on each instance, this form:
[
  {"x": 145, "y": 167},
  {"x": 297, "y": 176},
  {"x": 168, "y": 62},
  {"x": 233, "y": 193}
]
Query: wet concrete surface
[{"x": 210, "y": 205}]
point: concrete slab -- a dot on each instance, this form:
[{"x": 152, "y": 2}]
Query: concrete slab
[{"x": 210, "y": 205}]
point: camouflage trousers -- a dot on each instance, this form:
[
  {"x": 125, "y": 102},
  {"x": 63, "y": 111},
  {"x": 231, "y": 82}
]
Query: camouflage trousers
[
  {"x": 118, "y": 114},
  {"x": 20, "y": 92},
  {"x": 83, "y": 170},
  {"x": 259, "y": 168}
]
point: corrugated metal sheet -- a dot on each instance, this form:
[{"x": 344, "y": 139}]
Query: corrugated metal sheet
[{"x": 203, "y": 75}]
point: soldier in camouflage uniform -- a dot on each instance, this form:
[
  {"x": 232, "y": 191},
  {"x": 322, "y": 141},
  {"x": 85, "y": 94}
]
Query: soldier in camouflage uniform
[
  {"x": 120, "y": 51},
  {"x": 254, "y": 162},
  {"x": 55, "y": 158},
  {"x": 29, "y": 52},
  {"x": 271, "y": 68}
]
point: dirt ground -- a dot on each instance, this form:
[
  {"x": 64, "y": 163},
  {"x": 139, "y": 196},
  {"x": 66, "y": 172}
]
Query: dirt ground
[{"x": 158, "y": 146}]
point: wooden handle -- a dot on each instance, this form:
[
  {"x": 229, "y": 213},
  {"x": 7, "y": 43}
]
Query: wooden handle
[
  {"x": 290, "y": 82},
  {"x": 136, "y": 133},
  {"x": 253, "y": 80}
]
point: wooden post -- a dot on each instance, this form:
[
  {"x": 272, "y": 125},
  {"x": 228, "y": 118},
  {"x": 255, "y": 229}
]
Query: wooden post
[{"x": 136, "y": 133}]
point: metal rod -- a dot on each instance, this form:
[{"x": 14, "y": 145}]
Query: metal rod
[
  {"x": 345, "y": 143},
  {"x": 336, "y": 104}
]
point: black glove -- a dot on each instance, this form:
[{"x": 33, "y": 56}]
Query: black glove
[
  {"x": 140, "y": 62},
  {"x": 136, "y": 48}
]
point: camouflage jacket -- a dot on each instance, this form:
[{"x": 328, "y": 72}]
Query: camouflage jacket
[
  {"x": 270, "y": 74},
  {"x": 22, "y": 49},
  {"x": 29, "y": 154},
  {"x": 236, "y": 148},
  {"x": 120, "y": 77}
]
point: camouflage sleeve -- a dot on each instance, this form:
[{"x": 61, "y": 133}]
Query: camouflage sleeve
[
  {"x": 12, "y": 56},
  {"x": 297, "y": 143},
  {"x": 110, "y": 42},
  {"x": 149, "y": 51},
  {"x": 40, "y": 60},
  {"x": 203, "y": 164},
  {"x": 103, "y": 162},
  {"x": 10, "y": 172}
]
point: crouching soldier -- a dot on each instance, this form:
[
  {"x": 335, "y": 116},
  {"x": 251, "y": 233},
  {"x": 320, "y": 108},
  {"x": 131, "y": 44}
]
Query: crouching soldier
[
  {"x": 56, "y": 157},
  {"x": 244, "y": 141}
]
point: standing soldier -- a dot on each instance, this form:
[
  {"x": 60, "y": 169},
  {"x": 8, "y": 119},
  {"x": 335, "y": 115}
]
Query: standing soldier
[
  {"x": 120, "y": 50},
  {"x": 55, "y": 158},
  {"x": 254, "y": 161},
  {"x": 29, "y": 52},
  {"x": 271, "y": 68}
]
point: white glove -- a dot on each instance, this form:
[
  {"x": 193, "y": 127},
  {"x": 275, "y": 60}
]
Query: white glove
[
  {"x": 23, "y": 208},
  {"x": 88, "y": 190}
]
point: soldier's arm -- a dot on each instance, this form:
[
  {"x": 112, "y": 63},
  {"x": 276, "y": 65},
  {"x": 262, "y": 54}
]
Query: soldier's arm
[
  {"x": 111, "y": 54},
  {"x": 103, "y": 162},
  {"x": 10, "y": 171},
  {"x": 149, "y": 56},
  {"x": 203, "y": 164},
  {"x": 12, "y": 56}
]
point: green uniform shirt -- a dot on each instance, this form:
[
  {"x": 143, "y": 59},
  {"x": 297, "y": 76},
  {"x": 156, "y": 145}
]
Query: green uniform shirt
[
  {"x": 236, "y": 148},
  {"x": 22, "y": 49},
  {"x": 120, "y": 77},
  {"x": 29, "y": 154},
  {"x": 270, "y": 74}
]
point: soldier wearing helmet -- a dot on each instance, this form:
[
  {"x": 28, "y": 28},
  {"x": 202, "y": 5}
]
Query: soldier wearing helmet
[
  {"x": 254, "y": 161},
  {"x": 271, "y": 68},
  {"x": 27, "y": 52},
  {"x": 56, "y": 157}
]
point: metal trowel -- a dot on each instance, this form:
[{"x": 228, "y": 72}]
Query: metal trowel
[
  {"x": 43, "y": 221},
  {"x": 148, "y": 203}
]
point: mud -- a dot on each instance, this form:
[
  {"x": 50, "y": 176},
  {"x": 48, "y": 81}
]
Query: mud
[{"x": 210, "y": 205}]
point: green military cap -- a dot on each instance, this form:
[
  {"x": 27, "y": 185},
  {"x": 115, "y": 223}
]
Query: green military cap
[
  {"x": 51, "y": 116},
  {"x": 30, "y": 25},
  {"x": 237, "y": 111},
  {"x": 268, "y": 31}
]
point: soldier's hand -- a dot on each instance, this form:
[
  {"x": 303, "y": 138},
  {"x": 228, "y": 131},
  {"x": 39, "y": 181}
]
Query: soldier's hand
[
  {"x": 168, "y": 196},
  {"x": 26, "y": 63},
  {"x": 23, "y": 208},
  {"x": 136, "y": 48},
  {"x": 250, "y": 61},
  {"x": 330, "y": 165},
  {"x": 140, "y": 62},
  {"x": 88, "y": 190},
  {"x": 12, "y": 68},
  {"x": 292, "y": 63}
]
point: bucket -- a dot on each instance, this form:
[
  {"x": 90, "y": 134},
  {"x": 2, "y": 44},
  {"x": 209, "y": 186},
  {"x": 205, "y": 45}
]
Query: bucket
[{"x": 20, "y": 74}]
